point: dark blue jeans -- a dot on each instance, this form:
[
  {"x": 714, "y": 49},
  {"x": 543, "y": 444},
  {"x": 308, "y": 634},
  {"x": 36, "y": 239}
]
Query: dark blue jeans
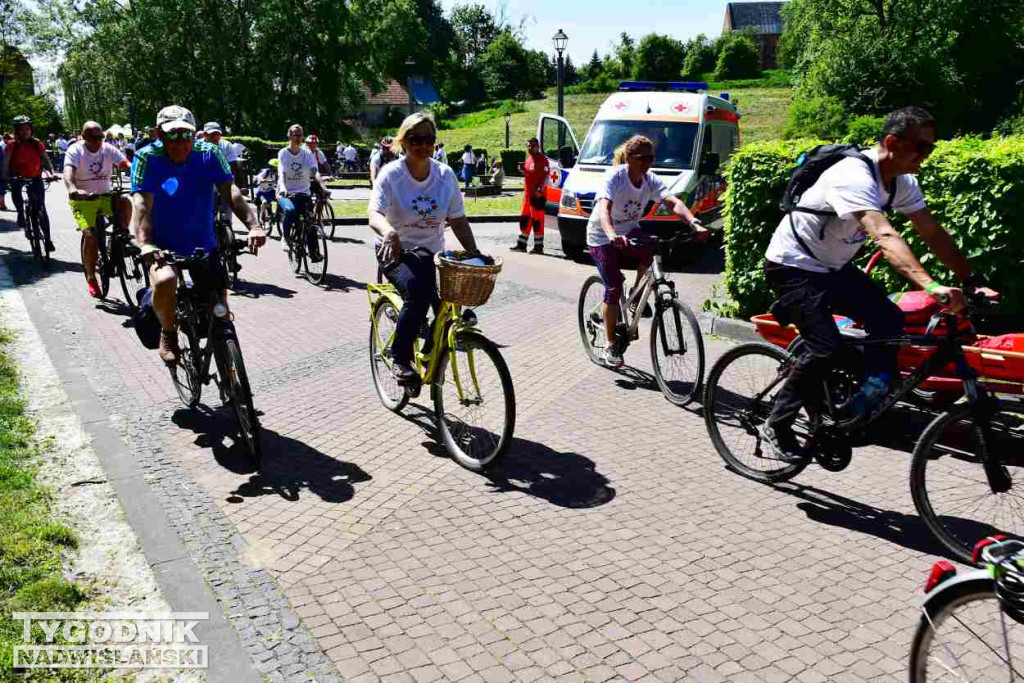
[
  {"x": 37, "y": 196},
  {"x": 415, "y": 278},
  {"x": 290, "y": 206}
]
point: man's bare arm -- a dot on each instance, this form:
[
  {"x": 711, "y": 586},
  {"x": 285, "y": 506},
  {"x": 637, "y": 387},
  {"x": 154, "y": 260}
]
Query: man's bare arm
[
  {"x": 940, "y": 242},
  {"x": 142, "y": 222},
  {"x": 69, "y": 181},
  {"x": 231, "y": 194},
  {"x": 464, "y": 233}
]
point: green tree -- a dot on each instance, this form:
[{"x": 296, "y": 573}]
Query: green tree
[
  {"x": 509, "y": 70},
  {"x": 958, "y": 58},
  {"x": 625, "y": 54},
  {"x": 738, "y": 57},
  {"x": 475, "y": 28},
  {"x": 594, "y": 67},
  {"x": 658, "y": 58},
  {"x": 701, "y": 56}
]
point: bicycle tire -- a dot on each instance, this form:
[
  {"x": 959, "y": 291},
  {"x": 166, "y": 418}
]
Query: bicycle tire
[
  {"x": 959, "y": 434},
  {"x": 266, "y": 218},
  {"x": 591, "y": 319},
  {"x": 34, "y": 237},
  {"x": 185, "y": 373},
  {"x": 717, "y": 412},
  {"x": 133, "y": 274},
  {"x": 681, "y": 391},
  {"x": 248, "y": 421},
  {"x": 297, "y": 243},
  {"x": 949, "y": 604},
  {"x": 325, "y": 214},
  {"x": 391, "y": 395},
  {"x": 102, "y": 260},
  {"x": 456, "y": 438},
  {"x": 315, "y": 256},
  {"x": 228, "y": 254}
]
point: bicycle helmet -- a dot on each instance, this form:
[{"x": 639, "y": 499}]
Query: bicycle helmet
[{"x": 21, "y": 121}]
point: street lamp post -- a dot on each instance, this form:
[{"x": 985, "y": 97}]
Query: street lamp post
[
  {"x": 508, "y": 139},
  {"x": 560, "y": 39},
  {"x": 409, "y": 64}
]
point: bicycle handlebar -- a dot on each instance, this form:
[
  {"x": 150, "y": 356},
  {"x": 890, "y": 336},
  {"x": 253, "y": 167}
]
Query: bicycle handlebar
[{"x": 655, "y": 241}]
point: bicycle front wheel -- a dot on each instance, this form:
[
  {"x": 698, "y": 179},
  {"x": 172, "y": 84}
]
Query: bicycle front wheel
[
  {"x": 133, "y": 275},
  {"x": 590, "y": 315},
  {"x": 474, "y": 402},
  {"x": 316, "y": 254},
  {"x": 241, "y": 400},
  {"x": 964, "y": 635},
  {"x": 382, "y": 331},
  {"x": 738, "y": 399},
  {"x": 185, "y": 373},
  {"x": 677, "y": 352},
  {"x": 967, "y": 482},
  {"x": 325, "y": 215}
]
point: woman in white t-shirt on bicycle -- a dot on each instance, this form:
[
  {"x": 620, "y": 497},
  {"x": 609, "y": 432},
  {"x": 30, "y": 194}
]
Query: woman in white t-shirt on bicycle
[
  {"x": 412, "y": 200},
  {"x": 618, "y": 206}
]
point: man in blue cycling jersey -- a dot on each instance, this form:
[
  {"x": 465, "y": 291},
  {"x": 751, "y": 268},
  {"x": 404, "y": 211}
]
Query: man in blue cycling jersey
[{"x": 172, "y": 196}]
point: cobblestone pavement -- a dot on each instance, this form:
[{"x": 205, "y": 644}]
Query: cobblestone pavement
[{"x": 609, "y": 545}]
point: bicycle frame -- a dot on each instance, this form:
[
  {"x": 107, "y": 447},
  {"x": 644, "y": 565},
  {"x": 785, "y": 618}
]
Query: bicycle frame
[
  {"x": 217, "y": 329},
  {"x": 654, "y": 280},
  {"x": 447, "y": 325}
]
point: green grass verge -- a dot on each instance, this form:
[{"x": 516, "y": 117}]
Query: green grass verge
[
  {"x": 32, "y": 545},
  {"x": 764, "y": 109},
  {"x": 485, "y": 206}
]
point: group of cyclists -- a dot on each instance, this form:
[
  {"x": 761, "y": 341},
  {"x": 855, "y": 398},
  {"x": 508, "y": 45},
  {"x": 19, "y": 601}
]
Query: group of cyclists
[{"x": 415, "y": 196}]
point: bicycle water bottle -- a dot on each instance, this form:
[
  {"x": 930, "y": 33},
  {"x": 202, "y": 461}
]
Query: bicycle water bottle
[{"x": 871, "y": 393}]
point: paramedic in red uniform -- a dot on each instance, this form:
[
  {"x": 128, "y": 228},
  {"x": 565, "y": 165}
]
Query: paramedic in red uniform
[{"x": 535, "y": 173}]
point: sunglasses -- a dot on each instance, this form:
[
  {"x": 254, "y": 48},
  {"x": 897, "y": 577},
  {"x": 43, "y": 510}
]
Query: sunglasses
[
  {"x": 94, "y": 138},
  {"x": 180, "y": 135},
  {"x": 295, "y": 135},
  {"x": 924, "y": 147},
  {"x": 421, "y": 139},
  {"x": 642, "y": 157}
]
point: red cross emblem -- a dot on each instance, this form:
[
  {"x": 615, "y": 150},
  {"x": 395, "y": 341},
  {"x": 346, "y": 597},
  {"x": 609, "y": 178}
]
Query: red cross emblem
[
  {"x": 679, "y": 107},
  {"x": 555, "y": 176},
  {"x": 620, "y": 105}
]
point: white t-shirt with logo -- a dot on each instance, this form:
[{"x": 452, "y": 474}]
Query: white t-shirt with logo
[
  {"x": 846, "y": 188},
  {"x": 93, "y": 169},
  {"x": 228, "y": 150},
  {"x": 628, "y": 202},
  {"x": 321, "y": 158},
  {"x": 418, "y": 209},
  {"x": 295, "y": 170}
]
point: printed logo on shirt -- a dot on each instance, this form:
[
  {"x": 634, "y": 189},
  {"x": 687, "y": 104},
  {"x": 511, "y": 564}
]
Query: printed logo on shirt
[
  {"x": 424, "y": 206},
  {"x": 632, "y": 209},
  {"x": 296, "y": 166}
]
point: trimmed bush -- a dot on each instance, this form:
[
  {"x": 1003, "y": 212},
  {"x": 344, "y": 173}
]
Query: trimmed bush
[
  {"x": 817, "y": 117},
  {"x": 864, "y": 130},
  {"x": 738, "y": 58},
  {"x": 974, "y": 187},
  {"x": 510, "y": 160}
]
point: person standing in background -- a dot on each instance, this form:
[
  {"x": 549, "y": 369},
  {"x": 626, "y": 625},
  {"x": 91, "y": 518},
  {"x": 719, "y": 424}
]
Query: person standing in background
[{"x": 536, "y": 176}]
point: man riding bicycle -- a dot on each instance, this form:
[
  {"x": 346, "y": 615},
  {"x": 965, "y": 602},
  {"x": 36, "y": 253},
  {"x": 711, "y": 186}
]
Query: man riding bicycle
[
  {"x": 24, "y": 161},
  {"x": 88, "y": 166},
  {"x": 297, "y": 165},
  {"x": 808, "y": 263},
  {"x": 313, "y": 145},
  {"x": 172, "y": 194}
]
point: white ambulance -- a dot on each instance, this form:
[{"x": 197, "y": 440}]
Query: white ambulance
[{"x": 694, "y": 134}]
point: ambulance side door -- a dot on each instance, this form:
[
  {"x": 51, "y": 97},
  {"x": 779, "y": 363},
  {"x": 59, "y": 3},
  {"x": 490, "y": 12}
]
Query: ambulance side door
[{"x": 558, "y": 142}]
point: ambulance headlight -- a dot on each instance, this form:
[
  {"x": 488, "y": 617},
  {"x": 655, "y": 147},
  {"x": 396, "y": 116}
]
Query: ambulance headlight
[{"x": 569, "y": 200}]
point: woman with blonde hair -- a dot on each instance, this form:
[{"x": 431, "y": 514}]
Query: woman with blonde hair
[
  {"x": 618, "y": 207},
  {"x": 412, "y": 200}
]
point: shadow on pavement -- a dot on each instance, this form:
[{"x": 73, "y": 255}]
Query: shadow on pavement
[
  {"x": 341, "y": 283},
  {"x": 567, "y": 480},
  {"x": 289, "y": 466},
  {"x": 347, "y": 240},
  {"x": 907, "y": 531},
  {"x": 254, "y": 290}
]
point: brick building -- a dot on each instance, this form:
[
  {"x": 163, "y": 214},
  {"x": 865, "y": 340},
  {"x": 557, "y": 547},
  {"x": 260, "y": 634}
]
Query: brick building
[{"x": 764, "y": 20}]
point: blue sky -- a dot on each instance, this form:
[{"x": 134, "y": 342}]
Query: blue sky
[{"x": 597, "y": 24}]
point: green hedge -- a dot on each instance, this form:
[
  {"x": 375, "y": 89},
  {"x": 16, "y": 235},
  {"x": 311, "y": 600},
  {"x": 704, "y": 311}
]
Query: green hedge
[
  {"x": 974, "y": 187},
  {"x": 510, "y": 160}
]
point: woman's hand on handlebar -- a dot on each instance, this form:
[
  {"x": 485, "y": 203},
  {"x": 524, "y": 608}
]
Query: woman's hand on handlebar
[
  {"x": 391, "y": 249},
  {"x": 700, "y": 233},
  {"x": 619, "y": 241}
]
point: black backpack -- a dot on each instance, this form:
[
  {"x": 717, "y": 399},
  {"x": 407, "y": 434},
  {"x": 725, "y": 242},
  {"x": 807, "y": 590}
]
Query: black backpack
[{"x": 809, "y": 167}]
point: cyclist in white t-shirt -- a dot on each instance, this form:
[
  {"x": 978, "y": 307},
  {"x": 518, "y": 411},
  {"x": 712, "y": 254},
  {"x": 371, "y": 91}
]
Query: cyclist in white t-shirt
[
  {"x": 296, "y": 167},
  {"x": 383, "y": 155},
  {"x": 411, "y": 202},
  {"x": 808, "y": 262},
  {"x": 618, "y": 206},
  {"x": 88, "y": 166},
  {"x": 313, "y": 145},
  {"x": 215, "y": 134}
]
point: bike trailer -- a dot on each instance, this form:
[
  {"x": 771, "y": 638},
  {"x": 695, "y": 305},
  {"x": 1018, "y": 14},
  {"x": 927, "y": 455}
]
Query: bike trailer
[{"x": 144, "y": 320}]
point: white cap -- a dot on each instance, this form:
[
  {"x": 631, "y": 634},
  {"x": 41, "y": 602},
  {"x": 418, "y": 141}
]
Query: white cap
[
  {"x": 174, "y": 117},
  {"x": 212, "y": 127}
]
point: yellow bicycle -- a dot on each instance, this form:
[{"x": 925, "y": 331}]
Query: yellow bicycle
[{"x": 470, "y": 385}]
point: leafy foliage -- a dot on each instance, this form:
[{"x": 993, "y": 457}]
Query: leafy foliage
[
  {"x": 701, "y": 57},
  {"x": 820, "y": 117},
  {"x": 738, "y": 57},
  {"x": 974, "y": 187},
  {"x": 658, "y": 58}
]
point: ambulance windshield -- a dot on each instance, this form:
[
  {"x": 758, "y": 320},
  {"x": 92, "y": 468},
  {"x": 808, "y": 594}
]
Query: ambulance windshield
[{"x": 673, "y": 142}]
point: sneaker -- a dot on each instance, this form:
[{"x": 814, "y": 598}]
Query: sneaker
[
  {"x": 403, "y": 373},
  {"x": 782, "y": 443},
  {"x": 611, "y": 358},
  {"x": 169, "y": 351},
  {"x": 94, "y": 288}
]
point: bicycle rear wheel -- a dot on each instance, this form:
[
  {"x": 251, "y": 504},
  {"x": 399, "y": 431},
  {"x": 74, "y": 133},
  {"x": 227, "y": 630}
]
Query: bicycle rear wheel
[
  {"x": 325, "y": 215},
  {"x": 237, "y": 381},
  {"x": 964, "y": 635},
  {"x": 266, "y": 217},
  {"x": 102, "y": 259},
  {"x": 677, "y": 352},
  {"x": 951, "y": 487},
  {"x": 382, "y": 331},
  {"x": 738, "y": 398},
  {"x": 590, "y": 315},
  {"x": 35, "y": 236},
  {"x": 316, "y": 253},
  {"x": 132, "y": 273},
  {"x": 297, "y": 243},
  {"x": 477, "y": 426},
  {"x": 185, "y": 373}
]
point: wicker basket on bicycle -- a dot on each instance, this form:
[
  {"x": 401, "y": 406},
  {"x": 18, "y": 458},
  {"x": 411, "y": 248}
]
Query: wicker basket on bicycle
[{"x": 465, "y": 284}]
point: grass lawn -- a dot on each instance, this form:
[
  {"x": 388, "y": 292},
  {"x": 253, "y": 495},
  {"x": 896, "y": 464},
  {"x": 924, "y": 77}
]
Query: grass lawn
[
  {"x": 485, "y": 206},
  {"x": 31, "y": 544},
  {"x": 764, "y": 113}
]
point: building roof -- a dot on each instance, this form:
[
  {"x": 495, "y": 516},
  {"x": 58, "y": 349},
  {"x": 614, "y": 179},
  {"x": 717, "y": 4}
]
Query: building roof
[
  {"x": 762, "y": 17},
  {"x": 394, "y": 94}
]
